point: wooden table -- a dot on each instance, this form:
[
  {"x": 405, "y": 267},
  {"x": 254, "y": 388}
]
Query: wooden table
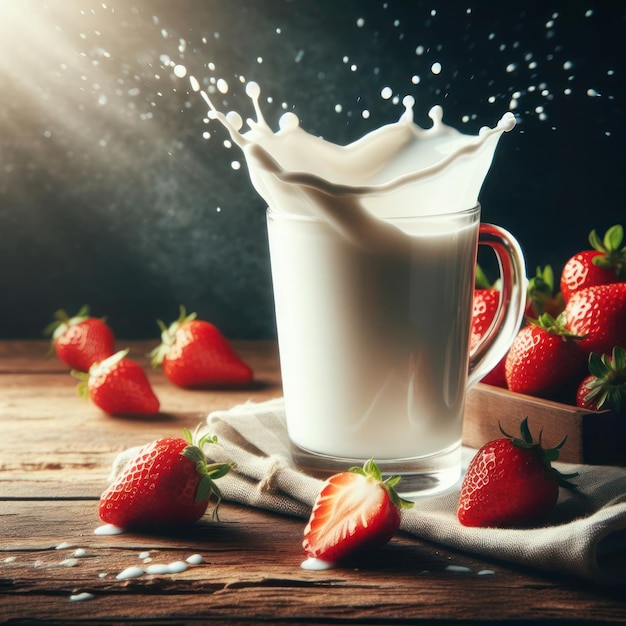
[{"x": 55, "y": 454}]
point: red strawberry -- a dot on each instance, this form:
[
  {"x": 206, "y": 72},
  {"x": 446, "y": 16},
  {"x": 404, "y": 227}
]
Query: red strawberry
[
  {"x": 598, "y": 314},
  {"x": 194, "y": 353},
  {"x": 354, "y": 510},
  {"x": 119, "y": 386},
  {"x": 544, "y": 357},
  {"x": 510, "y": 482},
  {"x": 486, "y": 302},
  {"x": 605, "y": 387},
  {"x": 168, "y": 483},
  {"x": 603, "y": 265},
  {"x": 81, "y": 340}
]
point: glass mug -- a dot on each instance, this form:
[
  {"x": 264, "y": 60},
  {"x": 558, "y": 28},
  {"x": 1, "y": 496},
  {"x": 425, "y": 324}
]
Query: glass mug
[{"x": 374, "y": 343}]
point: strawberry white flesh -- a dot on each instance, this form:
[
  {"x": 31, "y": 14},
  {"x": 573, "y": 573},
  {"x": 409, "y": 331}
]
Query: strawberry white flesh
[{"x": 354, "y": 510}]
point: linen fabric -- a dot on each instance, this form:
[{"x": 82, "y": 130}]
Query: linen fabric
[{"x": 584, "y": 537}]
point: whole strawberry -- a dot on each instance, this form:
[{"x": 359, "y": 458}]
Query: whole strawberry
[
  {"x": 510, "y": 483},
  {"x": 486, "y": 303},
  {"x": 603, "y": 265},
  {"x": 195, "y": 354},
  {"x": 598, "y": 315},
  {"x": 605, "y": 387},
  {"x": 119, "y": 386},
  {"x": 355, "y": 509},
  {"x": 168, "y": 483},
  {"x": 81, "y": 340},
  {"x": 544, "y": 358}
]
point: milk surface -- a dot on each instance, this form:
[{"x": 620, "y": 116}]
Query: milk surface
[{"x": 373, "y": 248}]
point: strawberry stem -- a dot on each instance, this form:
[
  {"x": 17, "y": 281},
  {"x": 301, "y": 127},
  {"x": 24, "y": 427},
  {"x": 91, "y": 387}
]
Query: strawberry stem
[
  {"x": 548, "y": 455},
  {"x": 209, "y": 472},
  {"x": 371, "y": 471}
]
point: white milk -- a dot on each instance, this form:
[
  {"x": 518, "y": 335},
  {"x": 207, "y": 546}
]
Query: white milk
[
  {"x": 373, "y": 292},
  {"x": 373, "y": 345}
]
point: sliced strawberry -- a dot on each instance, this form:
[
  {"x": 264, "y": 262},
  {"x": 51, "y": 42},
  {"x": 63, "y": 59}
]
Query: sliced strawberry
[
  {"x": 119, "y": 386},
  {"x": 81, "y": 340},
  {"x": 605, "y": 387},
  {"x": 354, "y": 510},
  {"x": 168, "y": 483},
  {"x": 194, "y": 354},
  {"x": 603, "y": 265},
  {"x": 510, "y": 482}
]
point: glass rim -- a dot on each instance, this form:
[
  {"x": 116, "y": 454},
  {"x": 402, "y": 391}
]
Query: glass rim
[{"x": 284, "y": 215}]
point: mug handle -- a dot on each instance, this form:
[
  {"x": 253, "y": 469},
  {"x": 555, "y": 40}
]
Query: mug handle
[{"x": 508, "y": 319}]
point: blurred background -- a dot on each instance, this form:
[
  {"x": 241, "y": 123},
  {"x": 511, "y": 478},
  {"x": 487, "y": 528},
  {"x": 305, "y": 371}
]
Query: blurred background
[{"x": 116, "y": 191}]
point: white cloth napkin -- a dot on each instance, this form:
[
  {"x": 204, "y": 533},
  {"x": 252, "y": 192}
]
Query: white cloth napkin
[{"x": 585, "y": 537}]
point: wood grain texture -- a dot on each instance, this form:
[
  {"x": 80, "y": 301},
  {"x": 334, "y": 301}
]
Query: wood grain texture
[
  {"x": 251, "y": 571},
  {"x": 55, "y": 453}
]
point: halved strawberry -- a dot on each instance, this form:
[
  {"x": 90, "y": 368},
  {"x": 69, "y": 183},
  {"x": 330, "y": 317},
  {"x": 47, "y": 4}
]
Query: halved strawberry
[
  {"x": 194, "y": 354},
  {"x": 119, "y": 386},
  {"x": 354, "y": 510},
  {"x": 80, "y": 340}
]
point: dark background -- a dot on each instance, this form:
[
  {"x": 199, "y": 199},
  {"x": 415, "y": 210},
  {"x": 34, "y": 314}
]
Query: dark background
[{"x": 110, "y": 194}]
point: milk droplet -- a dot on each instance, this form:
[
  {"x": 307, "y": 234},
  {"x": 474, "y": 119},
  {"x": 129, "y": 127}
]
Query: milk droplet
[
  {"x": 316, "y": 564},
  {"x": 360, "y": 22},
  {"x": 195, "y": 85},
  {"x": 485, "y": 572},
  {"x": 253, "y": 90},
  {"x": 593, "y": 93},
  {"x": 157, "y": 568},
  {"x": 288, "y": 121},
  {"x": 69, "y": 562},
  {"x": 108, "y": 529},
  {"x": 415, "y": 79},
  {"x": 144, "y": 555},
  {"x": 180, "y": 71},
  {"x": 195, "y": 559},
  {"x": 236, "y": 165},
  {"x": 386, "y": 93},
  {"x": 80, "y": 597},
  {"x": 130, "y": 572},
  {"x": 435, "y": 68},
  {"x": 62, "y": 546},
  {"x": 222, "y": 86},
  {"x": 80, "y": 552},
  {"x": 365, "y": 114},
  {"x": 235, "y": 120},
  {"x": 177, "y": 567},
  {"x": 457, "y": 568}
]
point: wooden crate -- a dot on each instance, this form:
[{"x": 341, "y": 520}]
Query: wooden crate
[{"x": 592, "y": 437}]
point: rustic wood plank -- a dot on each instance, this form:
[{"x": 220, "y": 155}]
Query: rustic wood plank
[
  {"x": 592, "y": 437},
  {"x": 56, "y": 444},
  {"x": 251, "y": 573}
]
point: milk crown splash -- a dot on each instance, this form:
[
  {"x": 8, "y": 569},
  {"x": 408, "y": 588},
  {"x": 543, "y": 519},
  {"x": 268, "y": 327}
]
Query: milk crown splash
[{"x": 398, "y": 170}]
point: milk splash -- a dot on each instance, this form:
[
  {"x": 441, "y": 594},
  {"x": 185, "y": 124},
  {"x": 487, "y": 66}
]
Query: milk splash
[
  {"x": 370, "y": 367},
  {"x": 427, "y": 171}
]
